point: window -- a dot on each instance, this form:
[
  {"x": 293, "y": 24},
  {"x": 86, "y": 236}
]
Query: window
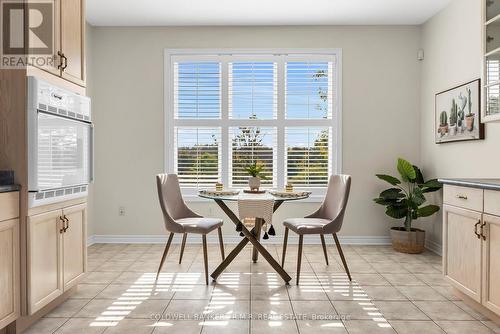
[{"x": 227, "y": 110}]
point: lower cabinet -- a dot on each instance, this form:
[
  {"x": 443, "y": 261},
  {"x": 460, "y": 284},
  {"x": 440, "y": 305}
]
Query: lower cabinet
[
  {"x": 462, "y": 258},
  {"x": 491, "y": 264},
  {"x": 471, "y": 244},
  {"x": 56, "y": 254},
  {"x": 9, "y": 271}
]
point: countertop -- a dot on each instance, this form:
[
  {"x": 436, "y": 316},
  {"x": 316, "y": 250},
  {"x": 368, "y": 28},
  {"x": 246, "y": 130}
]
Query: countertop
[
  {"x": 9, "y": 188},
  {"x": 490, "y": 184}
]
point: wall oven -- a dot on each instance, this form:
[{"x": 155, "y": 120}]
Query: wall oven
[{"x": 60, "y": 143}]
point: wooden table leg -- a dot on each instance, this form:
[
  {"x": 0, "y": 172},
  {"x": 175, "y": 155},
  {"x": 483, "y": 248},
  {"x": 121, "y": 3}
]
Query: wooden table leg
[
  {"x": 229, "y": 258},
  {"x": 249, "y": 237},
  {"x": 256, "y": 232}
]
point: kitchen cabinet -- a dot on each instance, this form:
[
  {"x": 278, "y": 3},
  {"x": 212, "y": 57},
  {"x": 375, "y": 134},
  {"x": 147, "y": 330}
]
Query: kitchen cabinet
[
  {"x": 462, "y": 258},
  {"x": 491, "y": 267},
  {"x": 471, "y": 240},
  {"x": 74, "y": 245},
  {"x": 69, "y": 41},
  {"x": 56, "y": 254},
  {"x": 72, "y": 40},
  {"x": 44, "y": 259},
  {"x": 9, "y": 258}
]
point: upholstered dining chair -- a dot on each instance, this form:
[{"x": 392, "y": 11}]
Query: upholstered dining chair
[
  {"x": 178, "y": 218},
  {"x": 326, "y": 220}
]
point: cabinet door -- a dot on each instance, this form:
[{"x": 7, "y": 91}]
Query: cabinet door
[
  {"x": 44, "y": 259},
  {"x": 53, "y": 65},
  {"x": 9, "y": 271},
  {"x": 73, "y": 39},
  {"x": 74, "y": 245},
  {"x": 462, "y": 250},
  {"x": 491, "y": 263}
]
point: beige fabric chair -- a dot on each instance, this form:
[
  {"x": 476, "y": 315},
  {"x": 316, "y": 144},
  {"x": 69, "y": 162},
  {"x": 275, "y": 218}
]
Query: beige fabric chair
[
  {"x": 327, "y": 220},
  {"x": 178, "y": 218}
]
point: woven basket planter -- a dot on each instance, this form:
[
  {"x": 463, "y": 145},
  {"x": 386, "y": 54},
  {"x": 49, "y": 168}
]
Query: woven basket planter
[{"x": 408, "y": 242}]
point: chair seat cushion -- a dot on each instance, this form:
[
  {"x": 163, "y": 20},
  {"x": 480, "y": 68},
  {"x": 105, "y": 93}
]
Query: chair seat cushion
[
  {"x": 199, "y": 225},
  {"x": 306, "y": 225}
]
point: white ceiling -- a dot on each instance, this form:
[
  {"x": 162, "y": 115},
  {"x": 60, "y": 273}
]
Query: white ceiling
[{"x": 260, "y": 12}]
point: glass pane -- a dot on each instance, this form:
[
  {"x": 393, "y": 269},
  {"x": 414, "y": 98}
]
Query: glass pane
[
  {"x": 252, "y": 90},
  {"x": 307, "y": 156},
  {"x": 197, "y": 159},
  {"x": 493, "y": 68},
  {"x": 308, "y": 90},
  {"x": 63, "y": 152},
  {"x": 252, "y": 145},
  {"x": 197, "y": 90},
  {"x": 492, "y": 102},
  {"x": 492, "y": 8},
  {"x": 493, "y": 36}
]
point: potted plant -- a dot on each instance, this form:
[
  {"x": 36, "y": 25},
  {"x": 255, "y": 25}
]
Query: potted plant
[
  {"x": 469, "y": 118},
  {"x": 443, "y": 123},
  {"x": 255, "y": 172},
  {"x": 453, "y": 118},
  {"x": 405, "y": 201}
]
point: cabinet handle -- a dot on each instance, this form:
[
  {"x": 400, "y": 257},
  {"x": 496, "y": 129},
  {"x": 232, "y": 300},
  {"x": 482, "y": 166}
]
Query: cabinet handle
[
  {"x": 65, "y": 62},
  {"x": 66, "y": 220},
  {"x": 62, "y": 230},
  {"x": 61, "y": 56},
  {"x": 461, "y": 196},
  {"x": 482, "y": 230},
  {"x": 475, "y": 229}
]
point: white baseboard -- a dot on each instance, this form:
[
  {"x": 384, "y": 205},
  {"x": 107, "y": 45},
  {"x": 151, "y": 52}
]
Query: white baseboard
[
  {"x": 434, "y": 247},
  {"x": 233, "y": 239}
]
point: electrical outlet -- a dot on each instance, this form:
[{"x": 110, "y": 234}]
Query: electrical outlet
[{"x": 121, "y": 211}]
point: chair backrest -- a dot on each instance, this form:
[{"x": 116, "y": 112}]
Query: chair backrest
[
  {"x": 171, "y": 202},
  {"x": 335, "y": 203}
]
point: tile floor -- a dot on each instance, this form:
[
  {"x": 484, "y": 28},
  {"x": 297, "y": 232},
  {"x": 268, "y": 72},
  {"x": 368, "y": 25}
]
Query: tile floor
[{"x": 390, "y": 293}]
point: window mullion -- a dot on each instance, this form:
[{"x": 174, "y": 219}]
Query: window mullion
[
  {"x": 280, "y": 147},
  {"x": 225, "y": 140}
]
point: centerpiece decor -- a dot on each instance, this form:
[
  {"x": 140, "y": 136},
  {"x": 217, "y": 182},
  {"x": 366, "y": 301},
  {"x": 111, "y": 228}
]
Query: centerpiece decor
[
  {"x": 404, "y": 200},
  {"x": 255, "y": 171}
]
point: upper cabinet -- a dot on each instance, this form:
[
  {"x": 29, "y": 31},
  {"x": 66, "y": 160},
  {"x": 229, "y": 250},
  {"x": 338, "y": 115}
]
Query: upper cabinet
[
  {"x": 491, "y": 61},
  {"x": 72, "y": 40},
  {"x": 69, "y": 41}
]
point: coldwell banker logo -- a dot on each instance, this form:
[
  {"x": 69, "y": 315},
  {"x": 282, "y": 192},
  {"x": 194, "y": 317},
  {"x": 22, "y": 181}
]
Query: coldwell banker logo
[{"x": 27, "y": 33}]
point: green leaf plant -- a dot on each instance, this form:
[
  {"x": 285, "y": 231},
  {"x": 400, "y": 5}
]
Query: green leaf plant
[
  {"x": 255, "y": 170},
  {"x": 406, "y": 197}
]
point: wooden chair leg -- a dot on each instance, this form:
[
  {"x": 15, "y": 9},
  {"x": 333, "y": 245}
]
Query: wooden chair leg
[
  {"x": 324, "y": 248},
  {"x": 164, "y": 256},
  {"x": 341, "y": 253},
  {"x": 182, "y": 247},
  {"x": 221, "y": 244},
  {"x": 285, "y": 240},
  {"x": 205, "y": 256},
  {"x": 299, "y": 256}
]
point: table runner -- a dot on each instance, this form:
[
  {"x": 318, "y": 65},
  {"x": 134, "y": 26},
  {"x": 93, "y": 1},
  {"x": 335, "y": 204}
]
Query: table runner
[{"x": 256, "y": 206}]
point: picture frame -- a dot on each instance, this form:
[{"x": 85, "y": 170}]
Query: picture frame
[{"x": 457, "y": 114}]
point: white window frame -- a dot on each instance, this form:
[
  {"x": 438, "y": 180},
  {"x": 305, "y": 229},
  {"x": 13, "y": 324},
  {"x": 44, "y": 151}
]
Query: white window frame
[{"x": 227, "y": 55}]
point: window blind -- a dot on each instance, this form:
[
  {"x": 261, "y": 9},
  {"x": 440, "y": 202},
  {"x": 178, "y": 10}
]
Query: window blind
[
  {"x": 308, "y": 153},
  {"x": 197, "y": 158},
  {"x": 252, "y": 90},
  {"x": 309, "y": 90},
  {"x": 251, "y": 145},
  {"x": 197, "y": 90}
]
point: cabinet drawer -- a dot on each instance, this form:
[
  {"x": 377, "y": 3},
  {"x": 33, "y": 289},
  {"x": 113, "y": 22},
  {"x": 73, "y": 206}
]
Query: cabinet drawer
[
  {"x": 492, "y": 202},
  {"x": 463, "y": 197},
  {"x": 9, "y": 205}
]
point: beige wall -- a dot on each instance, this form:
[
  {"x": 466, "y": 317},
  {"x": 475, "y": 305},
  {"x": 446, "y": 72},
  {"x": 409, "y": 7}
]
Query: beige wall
[
  {"x": 380, "y": 114},
  {"x": 452, "y": 44}
]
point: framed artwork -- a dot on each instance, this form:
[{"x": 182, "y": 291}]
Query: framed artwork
[{"x": 458, "y": 114}]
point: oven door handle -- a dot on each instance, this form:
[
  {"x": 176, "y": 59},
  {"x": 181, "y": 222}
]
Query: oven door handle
[{"x": 91, "y": 154}]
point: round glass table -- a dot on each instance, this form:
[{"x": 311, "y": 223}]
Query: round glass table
[{"x": 253, "y": 235}]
